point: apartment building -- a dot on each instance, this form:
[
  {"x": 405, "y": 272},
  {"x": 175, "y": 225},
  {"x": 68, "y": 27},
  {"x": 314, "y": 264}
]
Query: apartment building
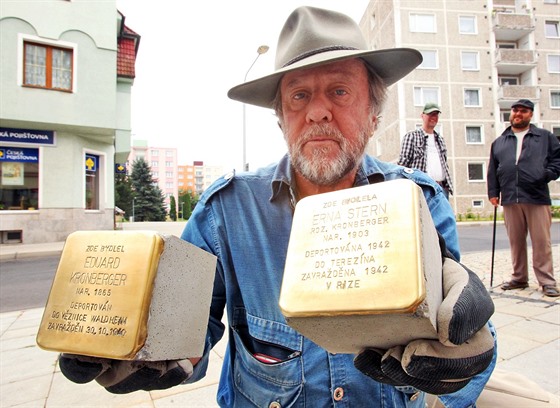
[
  {"x": 185, "y": 178},
  {"x": 172, "y": 178},
  {"x": 480, "y": 56},
  {"x": 163, "y": 165},
  {"x": 66, "y": 73}
]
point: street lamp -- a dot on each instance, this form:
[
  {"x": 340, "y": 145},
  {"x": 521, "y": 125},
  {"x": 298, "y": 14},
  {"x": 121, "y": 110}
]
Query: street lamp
[
  {"x": 261, "y": 50},
  {"x": 133, "y": 202}
]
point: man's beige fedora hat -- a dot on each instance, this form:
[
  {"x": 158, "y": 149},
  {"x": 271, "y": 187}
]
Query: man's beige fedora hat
[{"x": 313, "y": 36}]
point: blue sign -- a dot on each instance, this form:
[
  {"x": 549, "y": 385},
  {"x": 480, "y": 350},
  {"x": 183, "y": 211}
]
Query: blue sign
[
  {"x": 42, "y": 137},
  {"x": 120, "y": 168},
  {"x": 91, "y": 162},
  {"x": 16, "y": 154}
]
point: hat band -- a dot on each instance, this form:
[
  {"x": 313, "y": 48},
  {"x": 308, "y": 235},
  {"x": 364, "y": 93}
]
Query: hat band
[{"x": 318, "y": 51}]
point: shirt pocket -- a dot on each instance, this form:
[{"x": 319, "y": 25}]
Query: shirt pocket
[{"x": 268, "y": 365}]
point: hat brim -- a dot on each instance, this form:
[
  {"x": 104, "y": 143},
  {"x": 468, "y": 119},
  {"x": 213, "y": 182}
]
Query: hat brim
[
  {"x": 431, "y": 110},
  {"x": 390, "y": 64}
]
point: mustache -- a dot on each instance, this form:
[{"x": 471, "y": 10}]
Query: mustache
[{"x": 321, "y": 130}]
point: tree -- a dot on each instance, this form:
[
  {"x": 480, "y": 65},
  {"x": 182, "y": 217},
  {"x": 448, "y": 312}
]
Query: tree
[
  {"x": 149, "y": 200},
  {"x": 187, "y": 202},
  {"x": 124, "y": 194},
  {"x": 172, "y": 208}
]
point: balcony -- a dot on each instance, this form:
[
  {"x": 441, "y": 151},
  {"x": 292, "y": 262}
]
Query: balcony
[
  {"x": 515, "y": 61},
  {"x": 511, "y": 26},
  {"x": 508, "y": 94}
]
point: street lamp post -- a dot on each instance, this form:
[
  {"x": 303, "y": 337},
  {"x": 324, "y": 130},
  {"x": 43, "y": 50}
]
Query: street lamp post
[
  {"x": 261, "y": 50},
  {"x": 133, "y": 202}
]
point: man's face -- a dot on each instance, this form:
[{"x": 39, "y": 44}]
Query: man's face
[
  {"x": 430, "y": 120},
  {"x": 520, "y": 117},
  {"x": 326, "y": 119}
]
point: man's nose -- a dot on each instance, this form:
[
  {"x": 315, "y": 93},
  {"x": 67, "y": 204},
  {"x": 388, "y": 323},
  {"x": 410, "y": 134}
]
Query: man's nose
[{"x": 319, "y": 110}]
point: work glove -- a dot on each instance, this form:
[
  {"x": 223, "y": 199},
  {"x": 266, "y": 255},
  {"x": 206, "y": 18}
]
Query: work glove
[
  {"x": 465, "y": 346},
  {"x": 123, "y": 376}
]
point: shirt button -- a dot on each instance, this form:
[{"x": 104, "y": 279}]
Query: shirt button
[
  {"x": 275, "y": 404},
  {"x": 408, "y": 170},
  {"x": 415, "y": 396},
  {"x": 338, "y": 394}
]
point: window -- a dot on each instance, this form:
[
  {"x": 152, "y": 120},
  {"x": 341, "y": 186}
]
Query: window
[
  {"x": 551, "y": 29},
  {"x": 422, "y": 23},
  {"x": 504, "y": 114},
  {"x": 477, "y": 203},
  {"x": 155, "y": 163},
  {"x": 476, "y": 171},
  {"x": 47, "y": 66},
  {"x": 472, "y": 97},
  {"x": 556, "y": 131},
  {"x": 555, "y": 99},
  {"x": 467, "y": 25},
  {"x": 19, "y": 178},
  {"x": 169, "y": 174},
  {"x": 474, "y": 134},
  {"x": 553, "y": 63},
  {"x": 424, "y": 94},
  {"x": 92, "y": 182},
  {"x": 154, "y": 152},
  {"x": 550, "y": 1},
  {"x": 469, "y": 61},
  {"x": 508, "y": 80},
  {"x": 429, "y": 59},
  {"x": 169, "y": 153},
  {"x": 507, "y": 45},
  {"x": 168, "y": 164}
]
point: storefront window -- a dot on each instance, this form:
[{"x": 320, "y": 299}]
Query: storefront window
[
  {"x": 19, "y": 178},
  {"x": 92, "y": 182}
]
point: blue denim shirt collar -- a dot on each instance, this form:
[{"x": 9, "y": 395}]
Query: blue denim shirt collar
[{"x": 283, "y": 180}]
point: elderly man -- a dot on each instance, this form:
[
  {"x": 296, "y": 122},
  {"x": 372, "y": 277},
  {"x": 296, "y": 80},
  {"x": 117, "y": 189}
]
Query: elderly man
[{"x": 327, "y": 92}]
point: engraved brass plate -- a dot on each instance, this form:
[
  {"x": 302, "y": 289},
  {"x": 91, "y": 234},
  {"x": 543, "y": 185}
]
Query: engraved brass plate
[
  {"x": 100, "y": 297},
  {"x": 355, "y": 252}
]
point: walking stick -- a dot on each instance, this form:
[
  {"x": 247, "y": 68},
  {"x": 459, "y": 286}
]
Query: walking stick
[{"x": 493, "y": 248}]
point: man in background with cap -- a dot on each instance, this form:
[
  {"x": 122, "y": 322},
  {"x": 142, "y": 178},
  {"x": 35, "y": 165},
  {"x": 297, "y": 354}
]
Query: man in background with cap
[
  {"x": 327, "y": 92},
  {"x": 424, "y": 149},
  {"x": 523, "y": 160}
]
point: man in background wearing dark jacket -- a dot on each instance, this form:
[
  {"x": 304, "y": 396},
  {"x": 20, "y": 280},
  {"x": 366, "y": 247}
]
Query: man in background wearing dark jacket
[{"x": 523, "y": 160}]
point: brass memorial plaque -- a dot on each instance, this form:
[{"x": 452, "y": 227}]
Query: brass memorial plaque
[
  {"x": 363, "y": 267},
  {"x": 100, "y": 297}
]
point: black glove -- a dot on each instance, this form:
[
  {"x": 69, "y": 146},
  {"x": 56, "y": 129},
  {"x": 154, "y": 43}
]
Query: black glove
[
  {"x": 465, "y": 347},
  {"x": 122, "y": 376}
]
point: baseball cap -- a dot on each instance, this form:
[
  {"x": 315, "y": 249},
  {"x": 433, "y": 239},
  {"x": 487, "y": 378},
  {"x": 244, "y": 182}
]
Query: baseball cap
[
  {"x": 431, "y": 107},
  {"x": 526, "y": 103}
]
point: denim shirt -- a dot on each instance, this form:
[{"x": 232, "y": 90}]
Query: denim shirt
[{"x": 245, "y": 220}]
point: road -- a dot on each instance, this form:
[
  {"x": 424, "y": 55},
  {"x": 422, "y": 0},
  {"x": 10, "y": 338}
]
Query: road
[{"x": 25, "y": 283}]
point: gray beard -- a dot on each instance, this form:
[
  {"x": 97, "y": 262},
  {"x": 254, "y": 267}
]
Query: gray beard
[{"x": 320, "y": 170}]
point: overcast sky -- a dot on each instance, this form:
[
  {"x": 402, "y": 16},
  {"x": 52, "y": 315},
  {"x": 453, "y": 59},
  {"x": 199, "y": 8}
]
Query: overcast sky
[{"x": 190, "y": 55}]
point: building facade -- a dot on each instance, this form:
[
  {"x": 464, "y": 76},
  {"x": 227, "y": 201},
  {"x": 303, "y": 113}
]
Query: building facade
[
  {"x": 185, "y": 178},
  {"x": 66, "y": 73},
  {"x": 479, "y": 56},
  {"x": 163, "y": 166}
]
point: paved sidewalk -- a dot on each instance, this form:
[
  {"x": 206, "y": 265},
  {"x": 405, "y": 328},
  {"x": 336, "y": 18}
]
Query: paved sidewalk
[{"x": 528, "y": 326}]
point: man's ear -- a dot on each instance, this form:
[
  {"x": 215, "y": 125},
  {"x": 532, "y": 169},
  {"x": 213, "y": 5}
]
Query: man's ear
[{"x": 374, "y": 124}]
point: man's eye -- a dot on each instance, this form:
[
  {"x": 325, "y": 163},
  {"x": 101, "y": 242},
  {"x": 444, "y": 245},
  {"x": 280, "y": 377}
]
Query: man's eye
[
  {"x": 299, "y": 96},
  {"x": 340, "y": 92}
]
